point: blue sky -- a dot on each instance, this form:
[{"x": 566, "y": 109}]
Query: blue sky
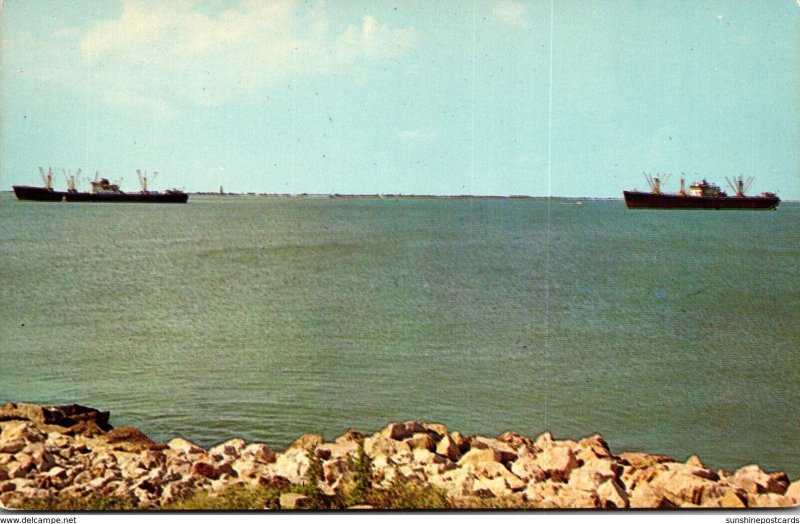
[{"x": 569, "y": 98}]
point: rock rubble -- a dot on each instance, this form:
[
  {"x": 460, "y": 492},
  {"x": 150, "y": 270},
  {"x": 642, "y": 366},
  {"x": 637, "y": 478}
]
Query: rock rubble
[{"x": 48, "y": 451}]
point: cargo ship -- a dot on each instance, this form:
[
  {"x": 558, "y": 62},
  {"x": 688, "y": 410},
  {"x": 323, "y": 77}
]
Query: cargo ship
[
  {"x": 700, "y": 195},
  {"x": 100, "y": 190}
]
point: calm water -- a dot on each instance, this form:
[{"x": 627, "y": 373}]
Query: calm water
[{"x": 265, "y": 318}]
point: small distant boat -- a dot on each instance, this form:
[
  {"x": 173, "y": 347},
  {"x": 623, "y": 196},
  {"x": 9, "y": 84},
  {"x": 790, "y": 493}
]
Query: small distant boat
[
  {"x": 100, "y": 190},
  {"x": 701, "y": 195}
]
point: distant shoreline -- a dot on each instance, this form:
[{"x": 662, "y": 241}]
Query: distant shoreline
[
  {"x": 398, "y": 196},
  {"x": 407, "y": 196},
  {"x": 382, "y": 196}
]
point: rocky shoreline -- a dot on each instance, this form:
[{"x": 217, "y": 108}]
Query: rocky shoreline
[{"x": 52, "y": 454}]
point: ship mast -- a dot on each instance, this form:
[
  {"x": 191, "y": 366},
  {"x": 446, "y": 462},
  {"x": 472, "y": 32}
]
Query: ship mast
[
  {"x": 739, "y": 185},
  {"x": 143, "y": 179},
  {"x": 47, "y": 178},
  {"x": 71, "y": 180},
  {"x": 655, "y": 182}
]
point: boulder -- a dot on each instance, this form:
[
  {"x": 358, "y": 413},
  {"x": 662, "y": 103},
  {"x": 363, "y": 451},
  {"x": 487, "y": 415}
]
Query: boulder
[
  {"x": 478, "y": 455},
  {"x": 59, "y": 440},
  {"x": 248, "y": 470},
  {"x": 447, "y": 447},
  {"x": 402, "y": 430},
  {"x": 683, "y": 487},
  {"x": 129, "y": 438},
  {"x": 515, "y": 440},
  {"x": 461, "y": 441},
  {"x": 507, "y": 453},
  {"x": 351, "y": 435},
  {"x": 65, "y": 416},
  {"x": 184, "y": 446},
  {"x": 695, "y": 461},
  {"x": 335, "y": 471},
  {"x": 306, "y": 442},
  {"x": 588, "y": 478},
  {"x": 437, "y": 466},
  {"x": 597, "y": 444},
  {"x": 421, "y": 441},
  {"x": 754, "y": 480},
  {"x": 769, "y": 500},
  {"x": 645, "y": 496},
  {"x": 793, "y": 491},
  {"x": 526, "y": 467},
  {"x": 12, "y": 446},
  {"x": 294, "y": 501},
  {"x": 493, "y": 470},
  {"x": 641, "y": 460},
  {"x": 696, "y": 467},
  {"x": 227, "y": 451},
  {"x": 292, "y": 465},
  {"x": 424, "y": 456},
  {"x": 568, "y": 498},
  {"x": 174, "y": 491},
  {"x": 537, "y": 492},
  {"x": 457, "y": 482},
  {"x": 22, "y": 430},
  {"x": 44, "y": 460},
  {"x": 210, "y": 471},
  {"x": 433, "y": 428},
  {"x": 612, "y": 495},
  {"x": 87, "y": 428},
  {"x": 24, "y": 467},
  {"x": 380, "y": 445},
  {"x": 490, "y": 487},
  {"x": 557, "y": 462},
  {"x": 259, "y": 453},
  {"x": 730, "y": 499},
  {"x": 544, "y": 441}
]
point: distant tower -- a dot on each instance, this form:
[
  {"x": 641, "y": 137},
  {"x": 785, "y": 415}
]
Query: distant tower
[{"x": 221, "y": 192}]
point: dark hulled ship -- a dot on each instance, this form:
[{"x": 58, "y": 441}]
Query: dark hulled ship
[
  {"x": 700, "y": 195},
  {"x": 100, "y": 190}
]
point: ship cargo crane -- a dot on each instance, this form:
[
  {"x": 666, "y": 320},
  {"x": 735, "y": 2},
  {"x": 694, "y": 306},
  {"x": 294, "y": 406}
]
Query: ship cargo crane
[
  {"x": 143, "y": 178},
  {"x": 47, "y": 178},
  {"x": 739, "y": 185}
]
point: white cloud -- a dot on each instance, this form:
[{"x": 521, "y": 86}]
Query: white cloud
[
  {"x": 512, "y": 13},
  {"x": 158, "y": 55}
]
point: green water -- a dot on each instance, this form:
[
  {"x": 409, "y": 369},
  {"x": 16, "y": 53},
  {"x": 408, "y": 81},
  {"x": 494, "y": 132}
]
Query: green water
[{"x": 265, "y": 318}]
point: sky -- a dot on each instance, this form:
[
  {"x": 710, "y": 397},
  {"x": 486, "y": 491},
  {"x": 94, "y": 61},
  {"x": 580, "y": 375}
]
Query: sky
[{"x": 571, "y": 98}]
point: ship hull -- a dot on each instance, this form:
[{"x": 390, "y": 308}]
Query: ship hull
[
  {"x": 42, "y": 194},
  {"x": 642, "y": 200}
]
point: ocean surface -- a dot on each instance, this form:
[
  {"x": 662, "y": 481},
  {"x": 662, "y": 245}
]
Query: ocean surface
[{"x": 674, "y": 332}]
